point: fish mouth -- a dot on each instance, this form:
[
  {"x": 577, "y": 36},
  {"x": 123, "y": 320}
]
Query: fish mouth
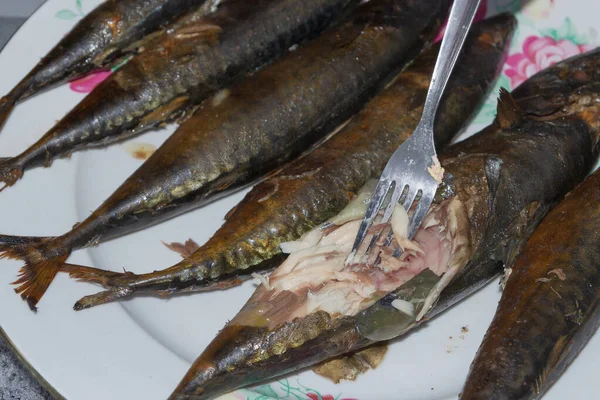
[{"x": 316, "y": 294}]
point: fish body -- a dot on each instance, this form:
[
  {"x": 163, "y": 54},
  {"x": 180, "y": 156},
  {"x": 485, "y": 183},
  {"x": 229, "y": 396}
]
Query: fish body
[
  {"x": 179, "y": 69},
  {"x": 549, "y": 305},
  {"x": 262, "y": 122},
  {"x": 107, "y": 33},
  {"x": 497, "y": 186}
]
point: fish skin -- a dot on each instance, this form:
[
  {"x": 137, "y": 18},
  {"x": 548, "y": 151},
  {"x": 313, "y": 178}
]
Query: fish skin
[
  {"x": 109, "y": 32},
  {"x": 541, "y": 325},
  {"x": 272, "y": 116},
  {"x": 319, "y": 185},
  {"x": 549, "y": 305},
  {"x": 486, "y": 173},
  {"x": 180, "y": 68}
]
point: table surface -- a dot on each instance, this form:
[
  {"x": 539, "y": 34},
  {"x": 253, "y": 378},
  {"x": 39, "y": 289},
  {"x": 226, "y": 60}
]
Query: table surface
[{"x": 16, "y": 381}]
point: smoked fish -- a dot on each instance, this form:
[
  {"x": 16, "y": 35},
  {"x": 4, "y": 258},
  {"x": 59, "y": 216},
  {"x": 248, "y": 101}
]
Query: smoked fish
[
  {"x": 319, "y": 185},
  {"x": 179, "y": 69},
  {"x": 247, "y": 131},
  {"x": 497, "y": 186},
  {"x": 549, "y": 306},
  {"x": 112, "y": 30}
]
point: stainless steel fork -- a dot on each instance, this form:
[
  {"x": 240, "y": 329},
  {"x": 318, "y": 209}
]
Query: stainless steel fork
[{"x": 408, "y": 172}]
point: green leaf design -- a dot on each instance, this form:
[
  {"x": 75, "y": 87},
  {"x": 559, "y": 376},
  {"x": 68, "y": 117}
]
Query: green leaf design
[
  {"x": 66, "y": 15},
  {"x": 300, "y": 392},
  {"x": 285, "y": 386},
  {"x": 79, "y": 7},
  {"x": 567, "y": 31},
  {"x": 309, "y": 390},
  {"x": 267, "y": 391},
  {"x": 503, "y": 82},
  {"x": 551, "y": 33},
  {"x": 571, "y": 34}
]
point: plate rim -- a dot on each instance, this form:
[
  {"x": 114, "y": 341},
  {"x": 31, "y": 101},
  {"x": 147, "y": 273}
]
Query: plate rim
[{"x": 7, "y": 340}]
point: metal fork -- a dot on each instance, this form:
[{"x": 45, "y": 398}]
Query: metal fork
[{"x": 407, "y": 170}]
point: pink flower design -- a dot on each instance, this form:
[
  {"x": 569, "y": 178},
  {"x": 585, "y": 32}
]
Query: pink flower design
[
  {"x": 539, "y": 53},
  {"x": 315, "y": 396},
  {"x": 479, "y": 15},
  {"x": 89, "y": 82}
]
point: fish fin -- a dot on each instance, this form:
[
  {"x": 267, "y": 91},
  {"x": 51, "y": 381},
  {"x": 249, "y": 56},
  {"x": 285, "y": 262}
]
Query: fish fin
[
  {"x": 115, "y": 282},
  {"x": 39, "y": 269},
  {"x": 349, "y": 367},
  {"x": 230, "y": 212},
  {"x": 99, "y": 276},
  {"x": 10, "y": 171},
  {"x": 185, "y": 250},
  {"x": 165, "y": 113},
  {"x": 509, "y": 113},
  {"x": 493, "y": 169},
  {"x": 6, "y": 107}
]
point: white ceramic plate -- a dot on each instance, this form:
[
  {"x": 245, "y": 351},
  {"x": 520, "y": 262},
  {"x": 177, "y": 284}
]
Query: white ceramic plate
[{"x": 140, "y": 349}]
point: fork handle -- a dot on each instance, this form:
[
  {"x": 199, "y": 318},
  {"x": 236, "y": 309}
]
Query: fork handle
[{"x": 459, "y": 22}]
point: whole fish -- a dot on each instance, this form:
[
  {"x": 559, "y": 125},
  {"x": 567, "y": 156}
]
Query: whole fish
[
  {"x": 549, "y": 307},
  {"x": 497, "y": 186},
  {"x": 319, "y": 185},
  {"x": 177, "y": 71},
  {"x": 245, "y": 132},
  {"x": 107, "y": 33}
]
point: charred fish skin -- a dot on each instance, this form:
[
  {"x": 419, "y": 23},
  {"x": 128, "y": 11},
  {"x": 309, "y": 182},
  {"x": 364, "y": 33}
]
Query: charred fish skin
[
  {"x": 556, "y": 102},
  {"x": 548, "y": 309},
  {"x": 178, "y": 70},
  {"x": 371, "y": 45},
  {"x": 105, "y": 34},
  {"x": 244, "y": 354},
  {"x": 549, "y": 306},
  {"x": 190, "y": 168}
]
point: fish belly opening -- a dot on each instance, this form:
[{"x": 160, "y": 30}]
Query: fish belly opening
[{"x": 317, "y": 275}]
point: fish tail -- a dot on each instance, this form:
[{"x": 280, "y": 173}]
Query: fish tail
[
  {"x": 10, "y": 171},
  {"x": 117, "y": 284},
  {"x": 7, "y": 104},
  {"x": 41, "y": 265}
]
